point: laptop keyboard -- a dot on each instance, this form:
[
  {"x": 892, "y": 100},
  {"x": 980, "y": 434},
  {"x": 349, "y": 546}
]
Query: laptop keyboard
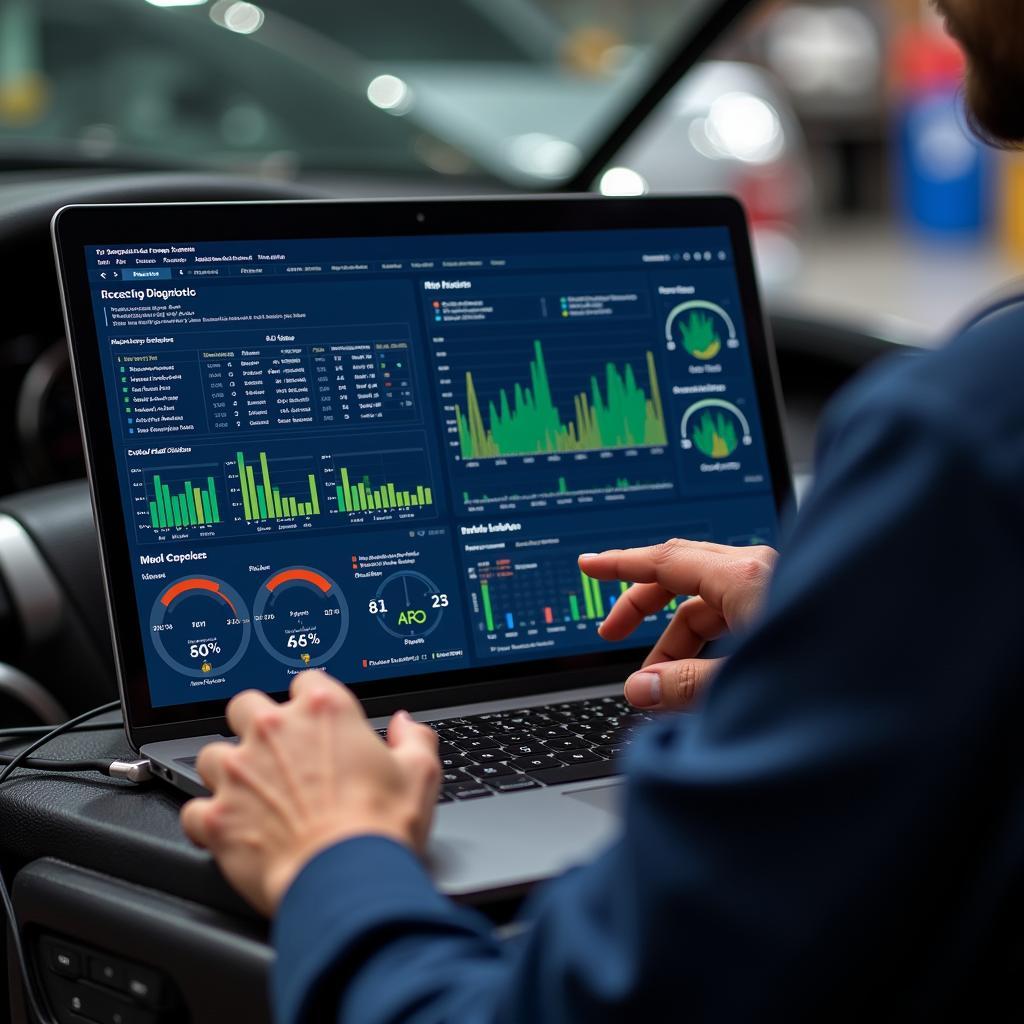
[{"x": 509, "y": 751}]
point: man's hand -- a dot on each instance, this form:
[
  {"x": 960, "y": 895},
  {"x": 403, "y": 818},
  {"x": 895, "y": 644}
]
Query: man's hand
[
  {"x": 306, "y": 775},
  {"x": 726, "y": 585}
]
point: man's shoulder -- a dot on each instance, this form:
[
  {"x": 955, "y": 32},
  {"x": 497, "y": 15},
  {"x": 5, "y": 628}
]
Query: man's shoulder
[
  {"x": 977, "y": 377},
  {"x": 965, "y": 395},
  {"x": 984, "y": 362}
]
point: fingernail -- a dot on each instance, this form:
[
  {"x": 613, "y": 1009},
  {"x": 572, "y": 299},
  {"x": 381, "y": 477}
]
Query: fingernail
[
  {"x": 643, "y": 689},
  {"x": 589, "y": 554}
]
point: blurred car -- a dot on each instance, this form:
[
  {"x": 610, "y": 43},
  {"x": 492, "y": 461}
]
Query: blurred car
[
  {"x": 460, "y": 97},
  {"x": 511, "y": 98}
]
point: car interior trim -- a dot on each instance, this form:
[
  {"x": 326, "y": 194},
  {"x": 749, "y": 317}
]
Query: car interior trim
[{"x": 33, "y": 589}]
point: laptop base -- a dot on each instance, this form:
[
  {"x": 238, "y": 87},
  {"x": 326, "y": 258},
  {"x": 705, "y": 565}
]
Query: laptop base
[{"x": 506, "y": 842}]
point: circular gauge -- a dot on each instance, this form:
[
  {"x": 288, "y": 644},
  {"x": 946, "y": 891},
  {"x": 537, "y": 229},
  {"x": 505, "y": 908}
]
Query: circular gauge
[
  {"x": 409, "y": 604},
  {"x": 714, "y": 427},
  {"x": 301, "y": 617},
  {"x": 701, "y": 328},
  {"x": 200, "y": 626}
]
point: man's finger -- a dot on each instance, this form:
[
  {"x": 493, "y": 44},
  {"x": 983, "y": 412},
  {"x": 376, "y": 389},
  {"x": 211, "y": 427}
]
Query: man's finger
[
  {"x": 629, "y": 610},
  {"x": 731, "y": 579},
  {"x": 243, "y": 709},
  {"x": 693, "y": 625},
  {"x": 210, "y": 763},
  {"x": 313, "y": 683},
  {"x": 670, "y": 685},
  {"x": 680, "y": 566},
  {"x": 415, "y": 745},
  {"x": 193, "y": 820}
]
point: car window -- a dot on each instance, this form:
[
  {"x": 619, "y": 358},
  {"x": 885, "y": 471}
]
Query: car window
[
  {"x": 516, "y": 90},
  {"x": 841, "y": 126}
]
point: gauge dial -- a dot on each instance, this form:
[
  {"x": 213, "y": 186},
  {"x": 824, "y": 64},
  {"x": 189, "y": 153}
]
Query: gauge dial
[
  {"x": 301, "y": 617},
  {"x": 200, "y": 626},
  {"x": 700, "y": 328},
  {"x": 409, "y": 604}
]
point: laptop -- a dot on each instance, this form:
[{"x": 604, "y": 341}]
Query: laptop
[{"x": 374, "y": 437}]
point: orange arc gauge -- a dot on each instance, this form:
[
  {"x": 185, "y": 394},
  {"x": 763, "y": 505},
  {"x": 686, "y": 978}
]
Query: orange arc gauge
[
  {"x": 306, "y": 575},
  {"x": 193, "y": 639},
  {"x": 300, "y": 617},
  {"x": 198, "y": 583}
]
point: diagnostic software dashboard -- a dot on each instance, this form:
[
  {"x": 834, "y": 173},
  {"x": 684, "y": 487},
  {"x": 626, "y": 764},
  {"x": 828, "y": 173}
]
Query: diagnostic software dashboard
[{"x": 383, "y": 456}]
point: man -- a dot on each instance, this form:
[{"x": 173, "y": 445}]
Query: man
[{"x": 838, "y": 834}]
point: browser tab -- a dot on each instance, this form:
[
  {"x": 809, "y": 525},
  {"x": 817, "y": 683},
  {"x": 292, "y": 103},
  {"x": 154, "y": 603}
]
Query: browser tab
[{"x": 146, "y": 274}]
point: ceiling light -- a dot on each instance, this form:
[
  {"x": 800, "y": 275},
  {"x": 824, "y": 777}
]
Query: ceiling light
[
  {"x": 237, "y": 16},
  {"x": 745, "y": 127},
  {"x": 622, "y": 181},
  {"x": 390, "y": 93}
]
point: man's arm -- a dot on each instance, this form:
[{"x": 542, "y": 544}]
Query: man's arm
[{"x": 825, "y": 837}]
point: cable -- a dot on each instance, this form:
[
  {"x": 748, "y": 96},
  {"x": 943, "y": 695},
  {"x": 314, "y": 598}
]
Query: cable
[
  {"x": 42, "y": 764},
  {"x": 34, "y": 1004},
  {"x": 38, "y": 730},
  {"x": 137, "y": 771}
]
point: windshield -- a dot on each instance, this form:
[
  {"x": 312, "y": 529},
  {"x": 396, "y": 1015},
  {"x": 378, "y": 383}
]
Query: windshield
[{"x": 519, "y": 90}]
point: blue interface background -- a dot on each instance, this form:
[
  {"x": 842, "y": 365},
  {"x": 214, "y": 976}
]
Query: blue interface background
[{"x": 351, "y": 361}]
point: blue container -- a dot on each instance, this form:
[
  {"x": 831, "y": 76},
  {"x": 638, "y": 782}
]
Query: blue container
[{"x": 944, "y": 173}]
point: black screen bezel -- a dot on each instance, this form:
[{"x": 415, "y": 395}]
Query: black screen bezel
[{"x": 75, "y": 227}]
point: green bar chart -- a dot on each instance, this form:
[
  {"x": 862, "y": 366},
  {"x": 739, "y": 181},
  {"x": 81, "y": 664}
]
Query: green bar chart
[
  {"x": 513, "y": 595},
  {"x": 262, "y": 497},
  {"x": 391, "y": 481},
  {"x": 363, "y": 496},
  {"x": 180, "y": 504}
]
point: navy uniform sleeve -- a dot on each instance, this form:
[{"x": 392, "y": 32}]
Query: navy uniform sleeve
[{"x": 829, "y": 838}]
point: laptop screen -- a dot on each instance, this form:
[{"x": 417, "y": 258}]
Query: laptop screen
[{"x": 382, "y": 457}]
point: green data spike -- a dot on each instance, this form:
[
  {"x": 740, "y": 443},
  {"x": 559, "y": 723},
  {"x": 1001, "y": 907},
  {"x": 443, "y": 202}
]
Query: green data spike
[{"x": 620, "y": 416}]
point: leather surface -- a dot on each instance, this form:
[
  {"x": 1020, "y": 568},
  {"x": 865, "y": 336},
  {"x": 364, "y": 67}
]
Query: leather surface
[
  {"x": 76, "y": 665},
  {"x": 59, "y": 519},
  {"x": 129, "y": 832}
]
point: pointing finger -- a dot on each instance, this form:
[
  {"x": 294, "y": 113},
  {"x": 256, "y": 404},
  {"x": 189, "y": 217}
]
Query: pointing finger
[
  {"x": 679, "y": 566},
  {"x": 629, "y": 610}
]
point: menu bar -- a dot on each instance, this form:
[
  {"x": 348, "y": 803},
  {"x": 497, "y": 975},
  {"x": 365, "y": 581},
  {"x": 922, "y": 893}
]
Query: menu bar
[{"x": 168, "y": 268}]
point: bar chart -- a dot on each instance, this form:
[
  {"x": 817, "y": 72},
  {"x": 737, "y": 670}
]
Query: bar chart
[
  {"x": 395, "y": 482},
  {"x": 177, "y": 503},
  {"x": 361, "y": 496},
  {"x": 262, "y": 498},
  {"x": 516, "y": 597},
  {"x": 526, "y": 487}
]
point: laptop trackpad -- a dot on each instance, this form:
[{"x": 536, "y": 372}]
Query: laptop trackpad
[{"x": 602, "y": 797}]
